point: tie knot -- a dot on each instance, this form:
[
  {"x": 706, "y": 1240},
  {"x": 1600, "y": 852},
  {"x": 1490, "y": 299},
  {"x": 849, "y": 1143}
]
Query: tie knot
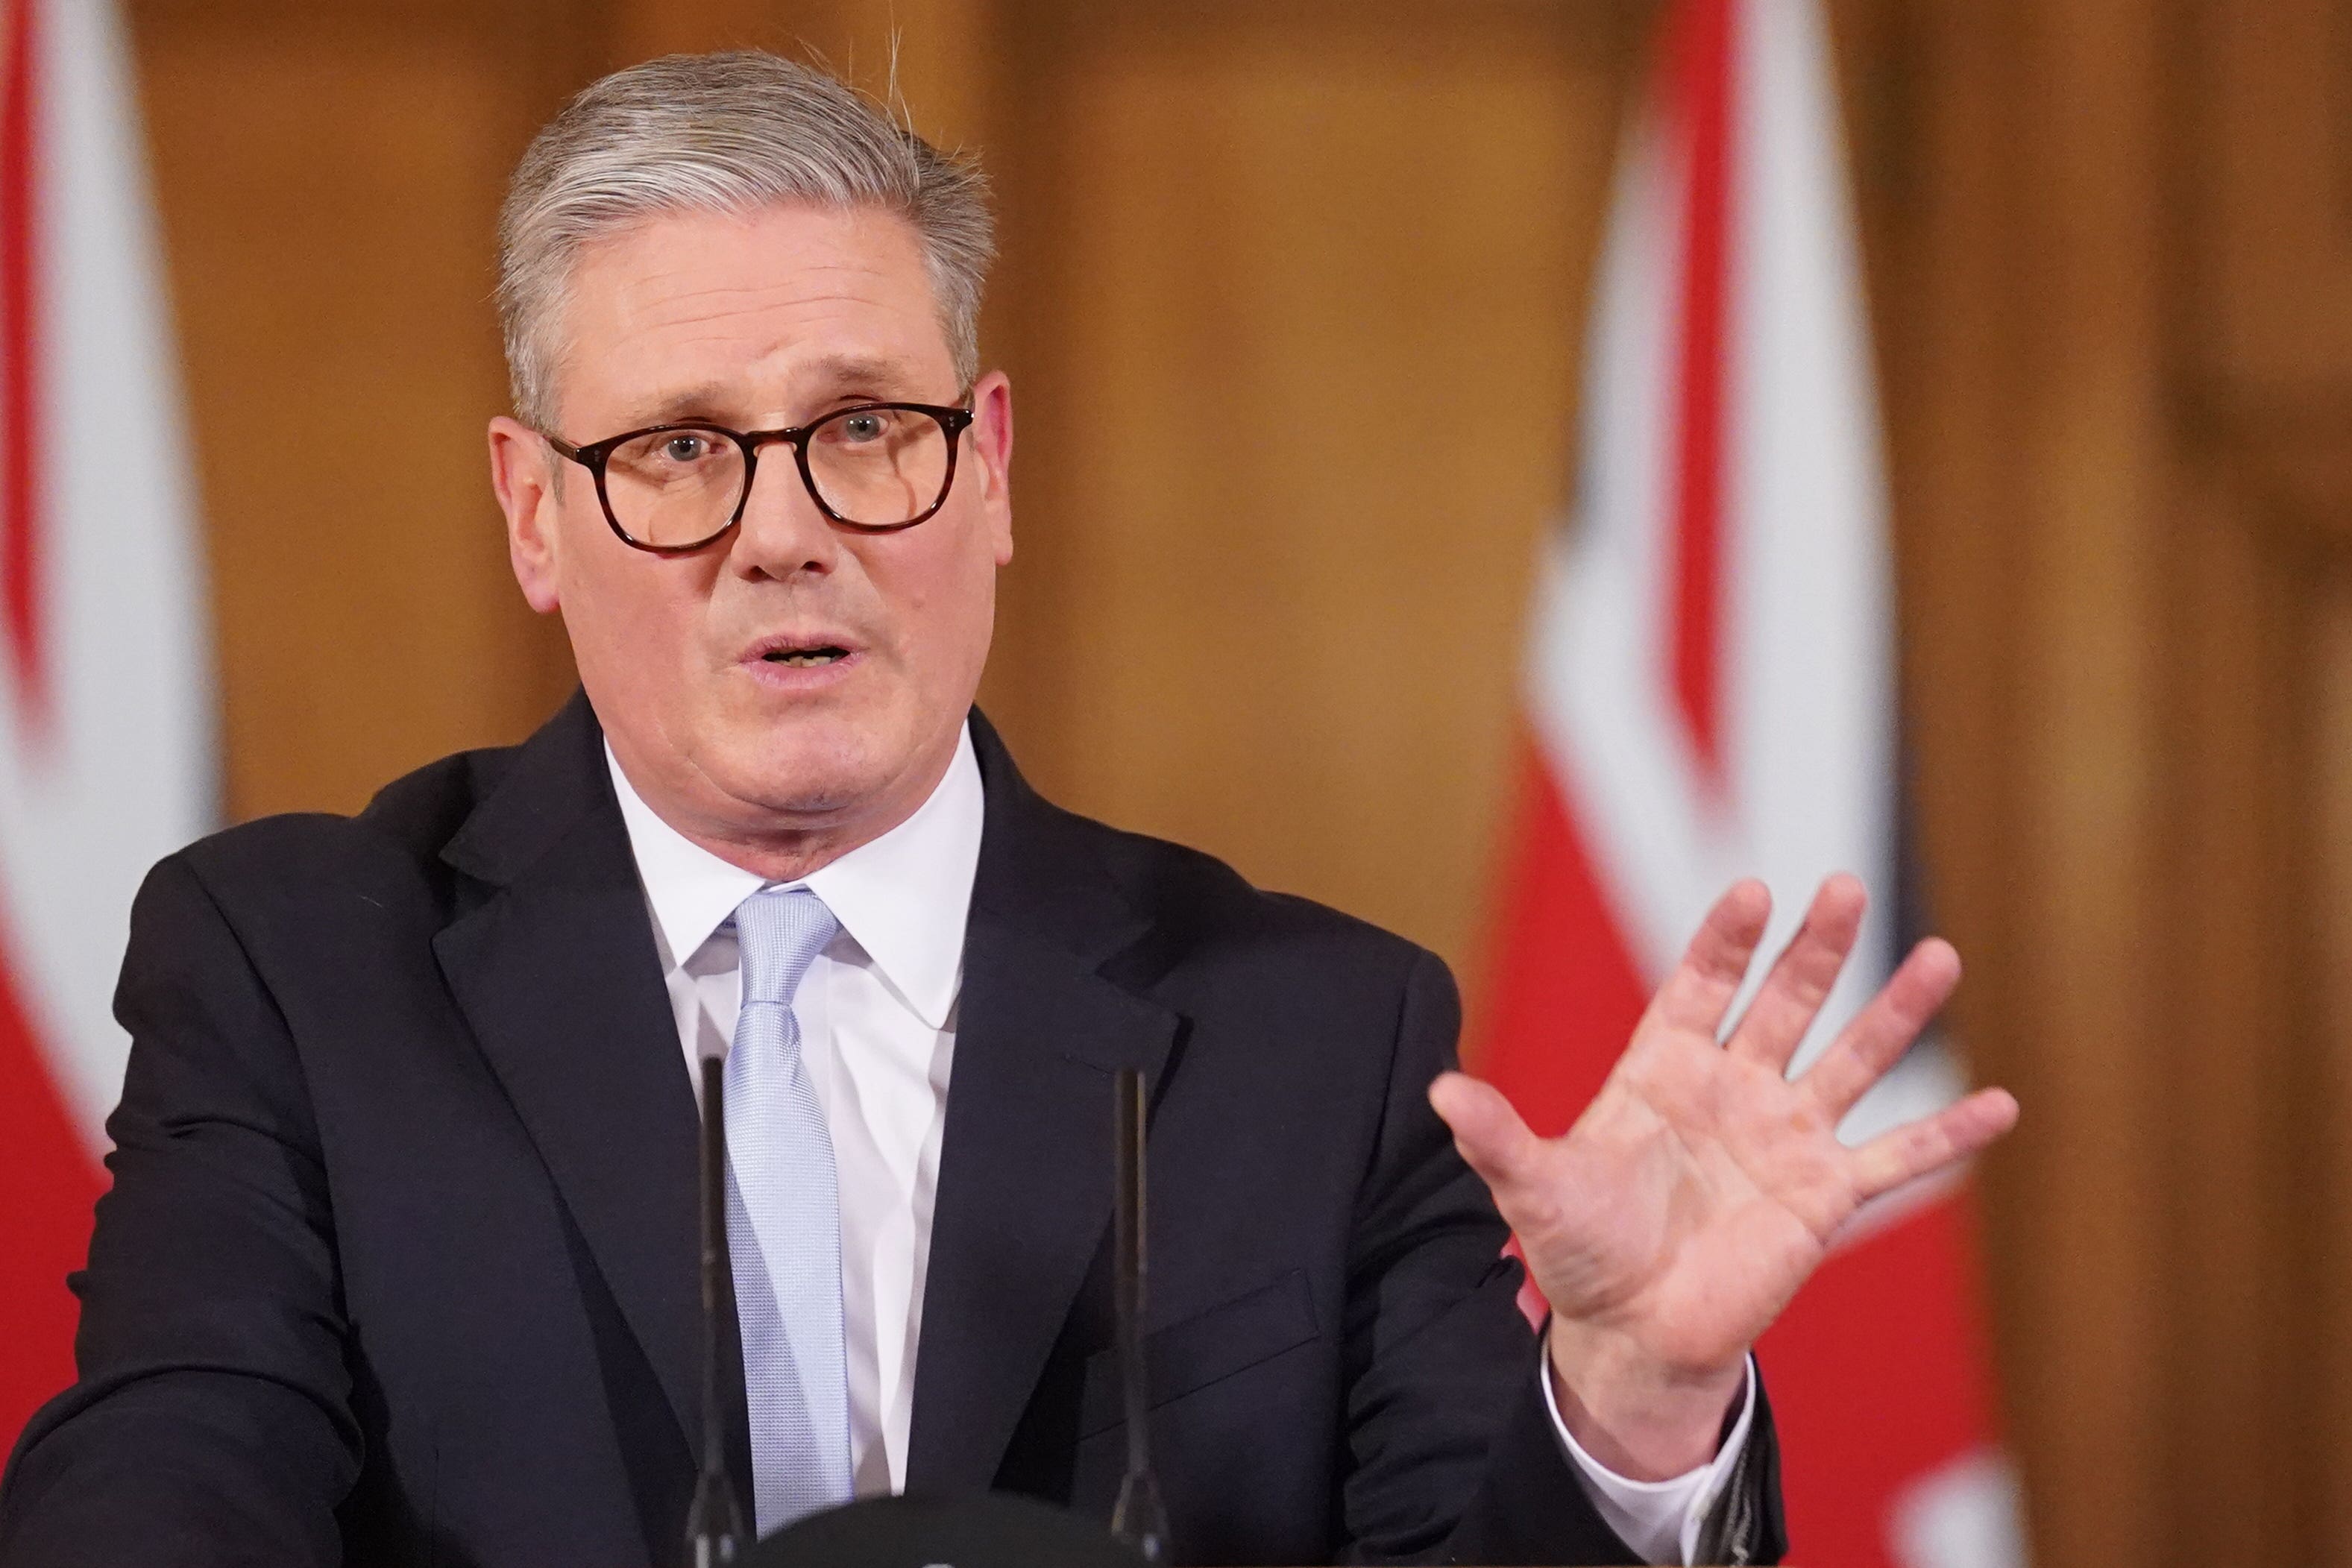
[{"x": 780, "y": 931}]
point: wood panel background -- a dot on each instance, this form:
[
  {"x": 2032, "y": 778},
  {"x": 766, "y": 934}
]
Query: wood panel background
[{"x": 1265, "y": 267}]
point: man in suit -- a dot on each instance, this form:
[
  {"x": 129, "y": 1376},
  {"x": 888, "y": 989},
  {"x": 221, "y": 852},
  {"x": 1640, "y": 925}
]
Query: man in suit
[{"x": 398, "y": 1265}]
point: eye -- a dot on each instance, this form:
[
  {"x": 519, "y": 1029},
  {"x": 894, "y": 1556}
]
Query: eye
[
  {"x": 687, "y": 455},
  {"x": 857, "y": 428}
]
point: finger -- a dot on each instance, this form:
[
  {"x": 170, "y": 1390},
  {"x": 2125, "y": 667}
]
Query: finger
[
  {"x": 1490, "y": 1134},
  {"x": 1880, "y": 1034},
  {"x": 1699, "y": 992},
  {"x": 1932, "y": 1142},
  {"x": 1792, "y": 994}
]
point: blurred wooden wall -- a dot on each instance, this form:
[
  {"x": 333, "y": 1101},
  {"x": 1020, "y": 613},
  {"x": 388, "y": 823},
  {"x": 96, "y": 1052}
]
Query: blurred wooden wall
[
  {"x": 1268, "y": 268},
  {"x": 2114, "y": 276}
]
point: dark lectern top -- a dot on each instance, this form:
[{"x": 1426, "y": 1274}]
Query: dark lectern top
[{"x": 978, "y": 1531}]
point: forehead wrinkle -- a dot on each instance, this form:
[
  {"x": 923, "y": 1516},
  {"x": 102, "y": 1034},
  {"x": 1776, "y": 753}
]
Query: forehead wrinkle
[
  {"x": 776, "y": 350},
  {"x": 656, "y": 302},
  {"x": 719, "y": 313},
  {"x": 656, "y": 296}
]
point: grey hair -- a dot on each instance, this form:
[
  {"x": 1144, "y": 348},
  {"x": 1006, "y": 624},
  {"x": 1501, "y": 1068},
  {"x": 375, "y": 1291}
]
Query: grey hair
[{"x": 727, "y": 133}]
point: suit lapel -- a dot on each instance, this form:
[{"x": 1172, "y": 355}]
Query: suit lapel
[
  {"x": 1025, "y": 1187},
  {"x": 558, "y": 976},
  {"x": 557, "y": 973}
]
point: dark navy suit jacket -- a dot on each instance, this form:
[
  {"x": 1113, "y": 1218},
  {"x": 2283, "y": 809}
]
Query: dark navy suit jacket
[{"x": 399, "y": 1263}]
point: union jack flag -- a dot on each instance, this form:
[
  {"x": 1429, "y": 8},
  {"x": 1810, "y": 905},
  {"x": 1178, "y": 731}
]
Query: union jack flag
[{"x": 1710, "y": 694}]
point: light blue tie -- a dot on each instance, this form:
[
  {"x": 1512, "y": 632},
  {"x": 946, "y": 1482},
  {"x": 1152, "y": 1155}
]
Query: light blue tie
[{"x": 783, "y": 1222}]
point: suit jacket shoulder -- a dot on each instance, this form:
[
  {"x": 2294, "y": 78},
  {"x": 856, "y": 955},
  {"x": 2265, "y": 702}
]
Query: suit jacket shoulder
[
  {"x": 1201, "y": 909},
  {"x": 402, "y": 830}
]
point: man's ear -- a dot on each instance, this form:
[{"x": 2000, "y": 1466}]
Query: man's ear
[
  {"x": 991, "y": 451},
  {"x": 522, "y": 473}
]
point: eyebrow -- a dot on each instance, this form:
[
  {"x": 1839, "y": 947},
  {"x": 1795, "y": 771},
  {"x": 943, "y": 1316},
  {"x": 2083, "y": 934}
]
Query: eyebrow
[
  {"x": 710, "y": 400},
  {"x": 836, "y": 368}
]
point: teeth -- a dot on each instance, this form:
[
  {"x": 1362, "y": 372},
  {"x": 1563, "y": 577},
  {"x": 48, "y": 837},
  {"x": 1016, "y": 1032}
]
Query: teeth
[{"x": 804, "y": 661}]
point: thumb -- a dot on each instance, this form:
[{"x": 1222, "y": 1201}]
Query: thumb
[{"x": 1498, "y": 1145}]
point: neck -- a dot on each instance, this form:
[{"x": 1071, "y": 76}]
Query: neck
[{"x": 788, "y": 856}]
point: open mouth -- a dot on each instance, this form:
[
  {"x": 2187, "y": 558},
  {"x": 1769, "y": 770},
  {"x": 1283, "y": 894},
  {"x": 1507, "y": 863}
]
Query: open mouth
[{"x": 806, "y": 658}]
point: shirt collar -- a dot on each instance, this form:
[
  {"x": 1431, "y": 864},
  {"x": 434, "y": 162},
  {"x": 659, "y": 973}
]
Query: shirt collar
[{"x": 904, "y": 898}]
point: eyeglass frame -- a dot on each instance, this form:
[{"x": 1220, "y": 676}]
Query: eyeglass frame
[{"x": 953, "y": 419}]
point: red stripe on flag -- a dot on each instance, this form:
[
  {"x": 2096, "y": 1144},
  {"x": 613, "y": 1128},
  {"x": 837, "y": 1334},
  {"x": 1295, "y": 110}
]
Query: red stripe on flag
[
  {"x": 1564, "y": 992},
  {"x": 51, "y": 1181},
  {"x": 1878, "y": 1377},
  {"x": 1564, "y": 995},
  {"x": 20, "y": 348},
  {"x": 1699, "y": 54},
  {"x": 48, "y": 1176}
]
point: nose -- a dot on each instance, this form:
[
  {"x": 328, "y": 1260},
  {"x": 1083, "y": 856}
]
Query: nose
[{"x": 783, "y": 534}]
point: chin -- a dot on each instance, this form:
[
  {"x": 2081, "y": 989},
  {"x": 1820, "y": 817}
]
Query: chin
[{"x": 820, "y": 766}]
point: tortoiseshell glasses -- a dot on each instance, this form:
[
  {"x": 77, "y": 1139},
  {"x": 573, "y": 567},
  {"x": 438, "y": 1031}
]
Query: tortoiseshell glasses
[{"x": 875, "y": 467}]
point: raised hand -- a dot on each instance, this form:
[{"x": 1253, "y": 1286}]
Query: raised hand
[{"x": 1673, "y": 1221}]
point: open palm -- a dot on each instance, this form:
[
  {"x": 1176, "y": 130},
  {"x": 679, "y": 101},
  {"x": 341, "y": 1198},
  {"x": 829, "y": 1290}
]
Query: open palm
[{"x": 1701, "y": 1187}]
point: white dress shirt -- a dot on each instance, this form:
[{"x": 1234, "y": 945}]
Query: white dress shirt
[
  {"x": 878, "y": 1018},
  {"x": 877, "y": 1011}
]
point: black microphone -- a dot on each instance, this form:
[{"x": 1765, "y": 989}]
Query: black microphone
[
  {"x": 1140, "y": 1519},
  {"x": 714, "y": 1523}
]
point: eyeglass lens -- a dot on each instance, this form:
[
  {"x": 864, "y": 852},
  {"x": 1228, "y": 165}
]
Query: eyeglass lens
[{"x": 876, "y": 467}]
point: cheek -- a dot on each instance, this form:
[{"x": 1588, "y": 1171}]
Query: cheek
[
  {"x": 941, "y": 599},
  {"x": 962, "y": 590},
  {"x": 636, "y": 616}
]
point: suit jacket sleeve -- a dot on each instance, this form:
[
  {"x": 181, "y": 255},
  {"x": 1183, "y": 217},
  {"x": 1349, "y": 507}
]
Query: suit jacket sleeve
[
  {"x": 211, "y": 1420},
  {"x": 1454, "y": 1457}
]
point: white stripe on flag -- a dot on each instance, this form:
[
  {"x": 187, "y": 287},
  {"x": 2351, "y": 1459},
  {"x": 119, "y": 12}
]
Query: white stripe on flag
[{"x": 127, "y": 774}]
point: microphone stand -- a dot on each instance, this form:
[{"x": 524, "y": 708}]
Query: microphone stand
[
  {"x": 714, "y": 1523},
  {"x": 1140, "y": 1519}
]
